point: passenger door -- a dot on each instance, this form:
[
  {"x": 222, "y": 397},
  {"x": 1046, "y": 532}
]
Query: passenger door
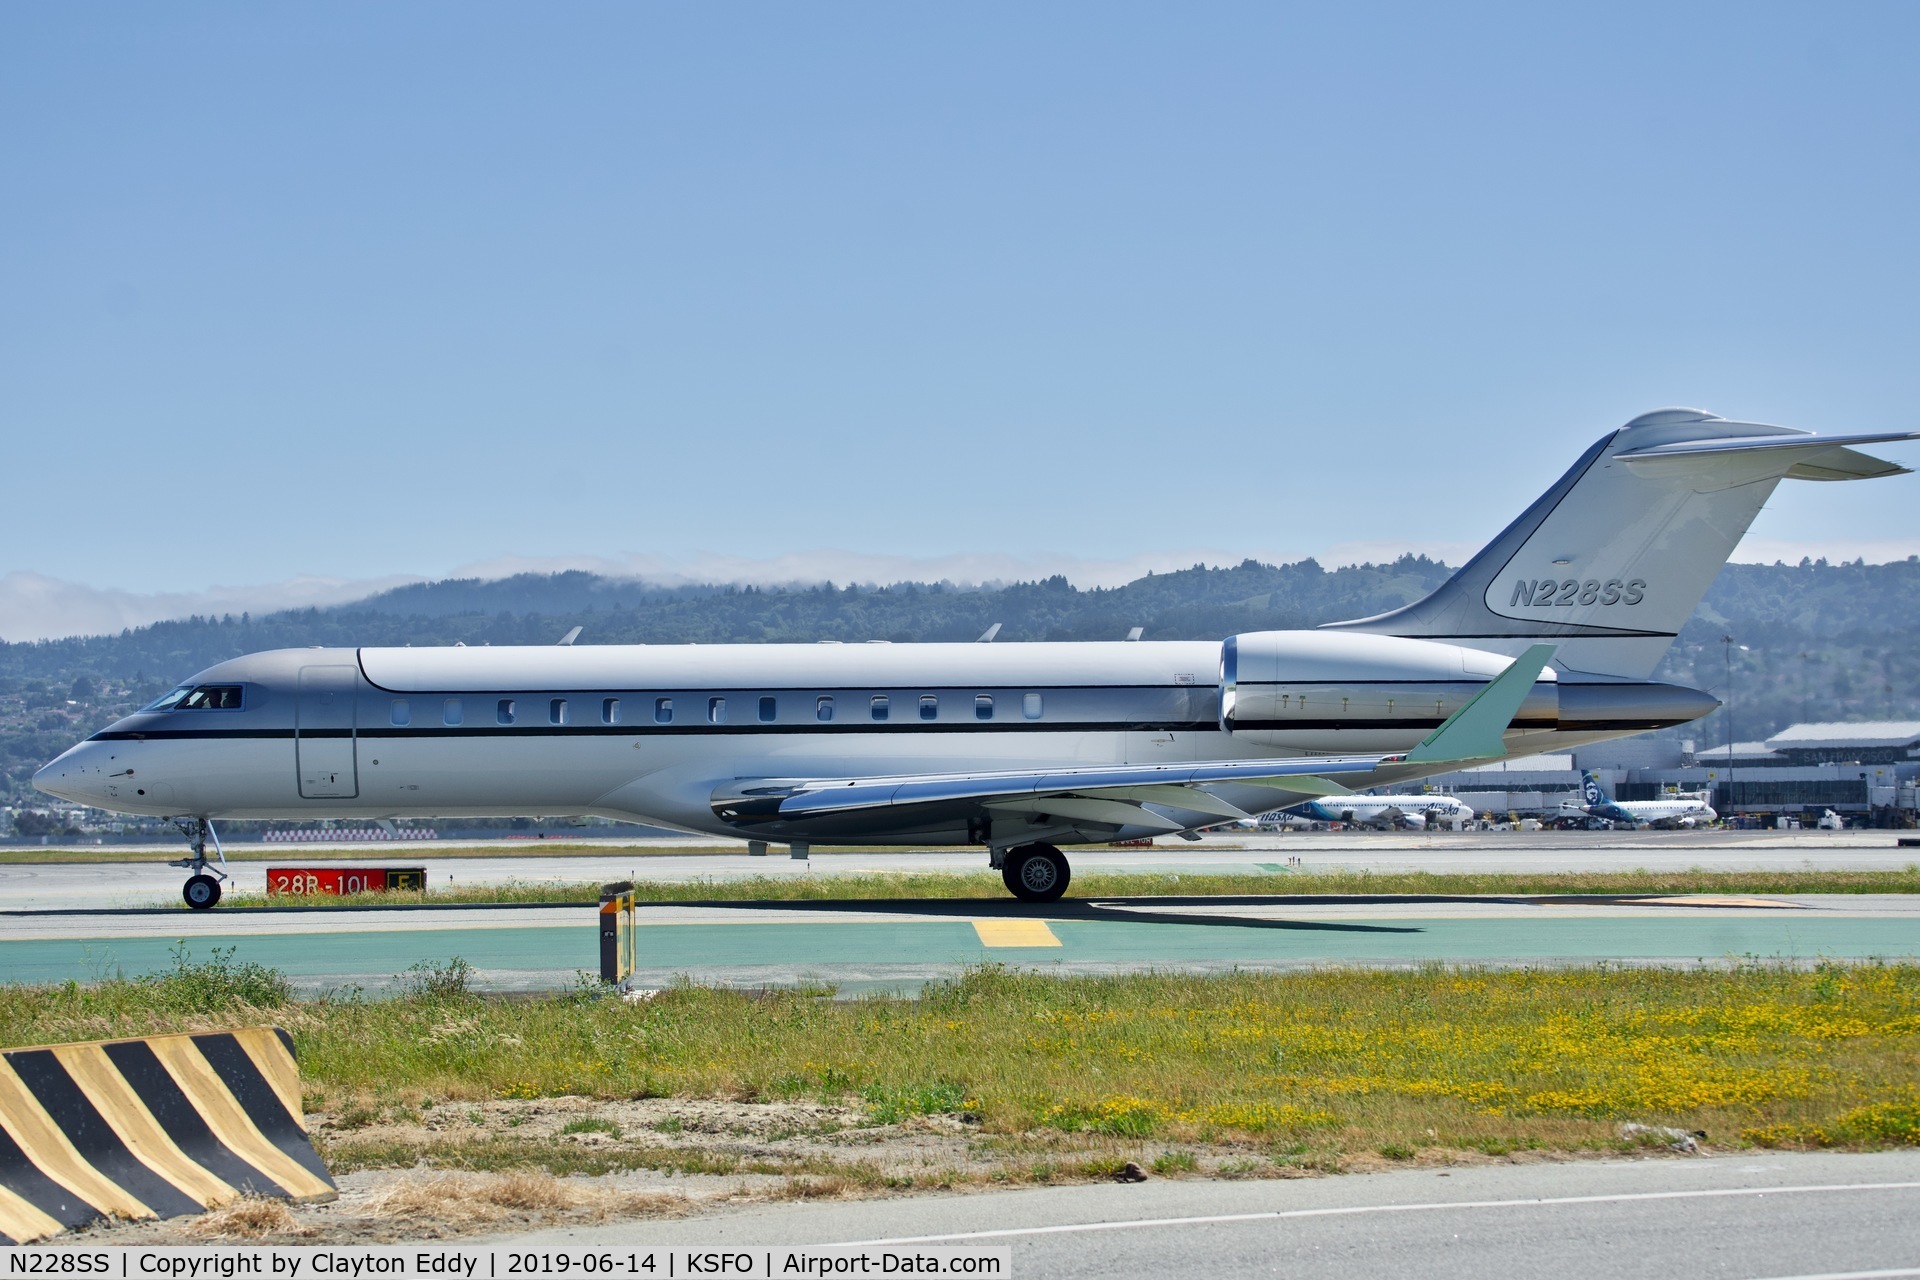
[{"x": 324, "y": 733}]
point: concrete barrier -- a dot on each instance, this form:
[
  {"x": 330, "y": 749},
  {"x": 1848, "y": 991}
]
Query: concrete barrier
[{"x": 155, "y": 1127}]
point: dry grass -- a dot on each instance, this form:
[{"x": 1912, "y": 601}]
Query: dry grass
[
  {"x": 248, "y": 1218},
  {"x": 1308, "y": 1070},
  {"x": 461, "y": 1200}
]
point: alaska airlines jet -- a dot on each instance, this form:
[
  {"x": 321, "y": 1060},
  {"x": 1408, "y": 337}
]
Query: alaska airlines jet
[
  {"x": 1677, "y": 812},
  {"x": 1016, "y": 748},
  {"x": 1413, "y": 811}
]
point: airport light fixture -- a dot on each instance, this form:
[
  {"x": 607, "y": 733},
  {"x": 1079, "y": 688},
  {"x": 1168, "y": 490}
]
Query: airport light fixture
[{"x": 1727, "y": 646}]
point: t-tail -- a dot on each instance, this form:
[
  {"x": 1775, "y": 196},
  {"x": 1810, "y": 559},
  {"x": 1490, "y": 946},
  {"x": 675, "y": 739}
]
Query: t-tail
[{"x": 1612, "y": 560}]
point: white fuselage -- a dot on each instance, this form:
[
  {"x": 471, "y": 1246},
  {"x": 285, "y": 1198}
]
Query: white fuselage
[
  {"x": 1412, "y": 810},
  {"x": 654, "y": 732},
  {"x": 1651, "y": 812}
]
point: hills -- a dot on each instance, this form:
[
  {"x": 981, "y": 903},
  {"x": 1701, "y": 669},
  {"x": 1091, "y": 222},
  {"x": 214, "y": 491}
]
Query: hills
[{"x": 1824, "y": 641}]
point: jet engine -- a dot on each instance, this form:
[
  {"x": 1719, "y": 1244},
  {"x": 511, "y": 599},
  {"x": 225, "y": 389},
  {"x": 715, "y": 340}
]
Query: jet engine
[{"x": 1374, "y": 693}]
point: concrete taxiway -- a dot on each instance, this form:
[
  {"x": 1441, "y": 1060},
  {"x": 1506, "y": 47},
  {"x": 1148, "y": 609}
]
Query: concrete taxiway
[
  {"x": 1760, "y": 1215},
  {"x": 83, "y": 882},
  {"x": 862, "y": 946},
  {"x": 76, "y": 920}
]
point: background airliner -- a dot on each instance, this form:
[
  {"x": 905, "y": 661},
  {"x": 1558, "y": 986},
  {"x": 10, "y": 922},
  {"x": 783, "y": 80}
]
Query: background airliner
[
  {"x": 1414, "y": 810},
  {"x": 1018, "y": 748},
  {"x": 1680, "y": 811}
]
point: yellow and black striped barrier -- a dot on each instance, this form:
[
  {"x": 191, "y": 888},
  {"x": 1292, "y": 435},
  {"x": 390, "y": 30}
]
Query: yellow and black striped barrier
[{"x": 150, "y": 1128}]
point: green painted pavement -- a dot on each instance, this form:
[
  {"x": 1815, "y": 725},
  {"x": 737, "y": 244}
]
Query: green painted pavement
[{"x": 696, "y": 946}]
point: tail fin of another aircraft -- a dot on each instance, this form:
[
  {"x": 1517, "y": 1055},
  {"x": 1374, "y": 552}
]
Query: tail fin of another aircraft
[
  {"x": 1611, "y": 561},
  {"x": 1590, "y": 788}
]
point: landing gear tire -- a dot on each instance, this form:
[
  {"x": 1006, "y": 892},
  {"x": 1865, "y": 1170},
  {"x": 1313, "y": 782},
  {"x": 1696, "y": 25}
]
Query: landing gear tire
[
  {"x": 201, "y": 892},
  {"x": 1036, "y": 873}
]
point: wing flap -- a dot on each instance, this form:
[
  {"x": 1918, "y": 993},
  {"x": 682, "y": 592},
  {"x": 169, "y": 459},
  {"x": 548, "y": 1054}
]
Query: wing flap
[{"x": 1110, "y": 813}]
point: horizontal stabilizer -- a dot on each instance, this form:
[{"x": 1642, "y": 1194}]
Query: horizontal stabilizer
[{"x": 1788, "y": 448}]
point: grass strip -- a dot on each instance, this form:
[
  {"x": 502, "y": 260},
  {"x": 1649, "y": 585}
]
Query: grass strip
[
  {"x": 1305, "y": 1068},
  {"x": 882, "y": 886}
]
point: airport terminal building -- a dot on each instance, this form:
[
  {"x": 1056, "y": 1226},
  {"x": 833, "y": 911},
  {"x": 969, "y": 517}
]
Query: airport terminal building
[{"x": 1866, "y": 771}]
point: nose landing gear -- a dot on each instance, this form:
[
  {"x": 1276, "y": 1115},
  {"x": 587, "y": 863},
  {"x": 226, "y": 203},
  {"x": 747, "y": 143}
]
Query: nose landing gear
[{"x": 202, "y": 891}]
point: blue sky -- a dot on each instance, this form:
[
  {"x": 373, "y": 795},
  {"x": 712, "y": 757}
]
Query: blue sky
[{"x": 338, "y": 293}]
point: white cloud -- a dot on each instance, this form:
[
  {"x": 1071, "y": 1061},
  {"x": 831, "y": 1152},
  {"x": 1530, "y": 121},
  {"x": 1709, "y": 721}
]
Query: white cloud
[
  {"x": 36, "y": 607},
  {"x": 1872, "y": 550}
]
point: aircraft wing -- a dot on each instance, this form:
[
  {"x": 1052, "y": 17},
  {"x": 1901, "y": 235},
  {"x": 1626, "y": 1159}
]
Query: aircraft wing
[
  {"x": 1102, "y": 795},
  {"x": 1107, "y": 795}
]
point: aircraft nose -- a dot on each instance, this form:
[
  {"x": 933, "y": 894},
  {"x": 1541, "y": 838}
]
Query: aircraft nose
[{"x": 70, "y": 776}]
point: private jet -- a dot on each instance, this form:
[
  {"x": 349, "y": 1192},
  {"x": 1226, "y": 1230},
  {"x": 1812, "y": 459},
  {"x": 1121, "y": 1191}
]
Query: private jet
[{"x": 1016, "y": 748}]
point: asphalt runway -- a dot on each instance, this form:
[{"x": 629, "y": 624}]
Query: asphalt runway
[
  {"x": 1772, "y": 1214},
  {"x": 897, "y": 946},
  {"x": 80, "y": 883}
]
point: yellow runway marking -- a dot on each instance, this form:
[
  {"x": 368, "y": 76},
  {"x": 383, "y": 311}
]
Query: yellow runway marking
[{"x": 1015, "y": 933}]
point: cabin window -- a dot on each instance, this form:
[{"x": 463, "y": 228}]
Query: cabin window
[
  {"x": 402, "y": 713},
  {"x": 823, "y": 708},
  {"x": 557, "y": 711},
  {"x": 983, "y": 706},
  {"x": 452, "y": 712},
  {"x": 881, "y": 706},
  {"x": 768, "y": 710},
  {"x": 663, "y": 710},
  {"x": 609, "y": 711},
  {"x": 716, "y": 710},
  {"x": 504, "y": 712},
  {"x": 1030, "y": 706},
  {"x": 929, "y": 706}
]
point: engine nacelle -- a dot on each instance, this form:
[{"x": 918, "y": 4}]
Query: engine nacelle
[{"x": 1375, "y": 693}]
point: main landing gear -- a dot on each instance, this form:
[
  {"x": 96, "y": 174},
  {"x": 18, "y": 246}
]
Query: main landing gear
[
  {"x": 202, "y": 891},
  {"x": 1036, "y": 872}
]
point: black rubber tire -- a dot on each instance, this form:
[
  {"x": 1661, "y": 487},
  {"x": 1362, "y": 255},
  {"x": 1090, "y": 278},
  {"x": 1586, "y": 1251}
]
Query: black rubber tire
[
  {"x": 1036, "y": 873},
  {"x": 201, "y": 892}
]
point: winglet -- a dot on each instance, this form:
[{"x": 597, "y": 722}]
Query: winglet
[{"x": 1473, "y": 732}]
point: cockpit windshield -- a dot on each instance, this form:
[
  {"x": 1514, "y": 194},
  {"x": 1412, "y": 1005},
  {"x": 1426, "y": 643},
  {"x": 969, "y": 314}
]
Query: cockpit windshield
[
  {"x": 166, "y": 701},
  {"x": 200, "y": 697}
]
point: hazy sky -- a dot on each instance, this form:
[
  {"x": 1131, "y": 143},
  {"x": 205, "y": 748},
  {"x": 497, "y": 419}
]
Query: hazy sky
[{"x": 341, "y": 292}]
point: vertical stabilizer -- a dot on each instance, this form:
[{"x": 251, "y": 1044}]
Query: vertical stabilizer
[{"x": 1612, "y": 560}]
